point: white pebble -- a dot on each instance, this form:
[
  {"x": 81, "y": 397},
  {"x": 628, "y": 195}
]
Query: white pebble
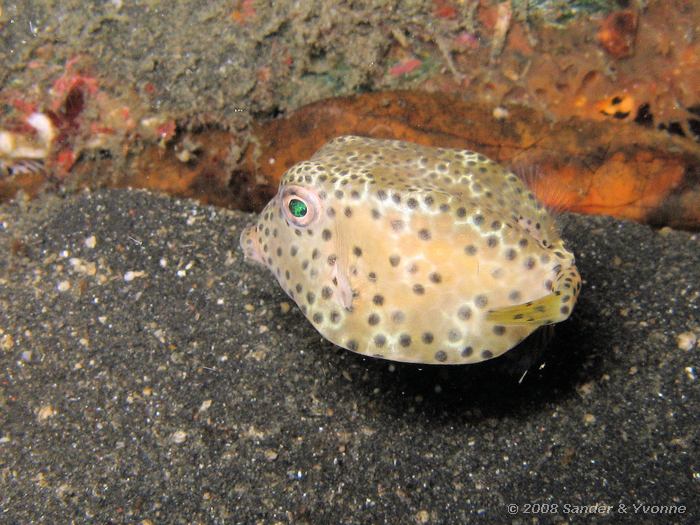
[
  {"x": 686, "y": 340},
  {"x": 179, "y": 436}
]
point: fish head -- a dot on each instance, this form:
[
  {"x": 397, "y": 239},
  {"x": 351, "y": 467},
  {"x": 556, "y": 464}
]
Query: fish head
[{"x": 296, "y": 236}]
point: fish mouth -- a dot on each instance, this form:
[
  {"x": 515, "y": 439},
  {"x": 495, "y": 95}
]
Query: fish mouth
[{"x": 250, "y": 245}]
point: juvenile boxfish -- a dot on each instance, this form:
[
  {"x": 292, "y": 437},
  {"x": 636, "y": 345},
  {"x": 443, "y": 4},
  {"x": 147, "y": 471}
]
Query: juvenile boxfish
[{"x": 412, "y": 253}]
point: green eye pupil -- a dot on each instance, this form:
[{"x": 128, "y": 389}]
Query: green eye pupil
[{"x": 297, "y": 208}]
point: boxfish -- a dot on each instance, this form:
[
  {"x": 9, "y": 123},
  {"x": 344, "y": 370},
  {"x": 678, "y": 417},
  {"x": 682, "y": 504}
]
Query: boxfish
[{"x": 413, "y": 253}]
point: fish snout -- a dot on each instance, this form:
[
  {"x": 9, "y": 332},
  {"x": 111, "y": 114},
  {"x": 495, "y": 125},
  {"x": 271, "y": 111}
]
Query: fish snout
[{"x": 251, "y": 244}]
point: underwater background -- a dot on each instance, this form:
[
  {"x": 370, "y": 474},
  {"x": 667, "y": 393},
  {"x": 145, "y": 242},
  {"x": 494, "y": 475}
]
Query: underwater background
[{"x": 149, "y": 376}]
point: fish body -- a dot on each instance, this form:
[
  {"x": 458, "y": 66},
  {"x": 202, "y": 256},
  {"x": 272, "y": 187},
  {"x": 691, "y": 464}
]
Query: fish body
[{"x": 412, "y": 253}]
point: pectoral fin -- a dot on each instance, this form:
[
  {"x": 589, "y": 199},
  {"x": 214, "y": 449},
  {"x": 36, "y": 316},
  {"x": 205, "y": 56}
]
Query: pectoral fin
[{"x": 343, "y": 290}]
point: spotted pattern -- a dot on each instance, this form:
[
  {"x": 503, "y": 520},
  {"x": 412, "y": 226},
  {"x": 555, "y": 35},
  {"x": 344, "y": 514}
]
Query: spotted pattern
[{"x": 415, "y": 254}]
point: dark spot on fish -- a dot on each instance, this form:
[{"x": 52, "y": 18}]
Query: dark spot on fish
[
  {"x": 464, "y": 313},
  {"x": 435, "y": 278}
]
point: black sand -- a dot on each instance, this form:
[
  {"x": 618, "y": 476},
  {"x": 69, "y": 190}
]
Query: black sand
[{"x": 169, "y": 383}]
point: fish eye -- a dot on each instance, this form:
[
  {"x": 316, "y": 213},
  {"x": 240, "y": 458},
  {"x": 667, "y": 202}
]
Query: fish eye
[
  {"x": 301, "y": 206},
  {"x": 298, "y": 208}
]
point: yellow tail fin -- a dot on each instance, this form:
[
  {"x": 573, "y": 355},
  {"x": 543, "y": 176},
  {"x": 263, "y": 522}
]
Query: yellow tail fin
[{"x": 552, "y": 308}]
